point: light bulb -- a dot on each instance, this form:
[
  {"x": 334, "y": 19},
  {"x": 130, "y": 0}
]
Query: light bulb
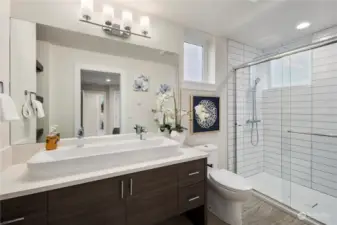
[
  {"x": 87, "y": 9},
  {"x": 303, "y": 25},
  {"x": 145, "y": 24},
  {"x": 108, "y": 14},
  {"x": 127, "y": 20}
]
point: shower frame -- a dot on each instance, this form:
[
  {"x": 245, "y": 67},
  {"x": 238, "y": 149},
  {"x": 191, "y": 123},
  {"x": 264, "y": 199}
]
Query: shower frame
[{"x": 264, "y": 59}]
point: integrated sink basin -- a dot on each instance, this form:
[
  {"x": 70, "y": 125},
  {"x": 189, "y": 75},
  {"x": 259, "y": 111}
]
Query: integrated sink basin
[
  {"x": 106, "y": 139},
  {"x": 71, "y": 160}
]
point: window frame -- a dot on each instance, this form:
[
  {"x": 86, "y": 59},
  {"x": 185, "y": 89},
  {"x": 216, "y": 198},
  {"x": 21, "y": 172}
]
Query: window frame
[{"x": 202, "y": 42}]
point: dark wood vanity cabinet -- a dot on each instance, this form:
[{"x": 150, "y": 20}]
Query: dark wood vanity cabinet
[
  {"x": 27, "y": 210},
  {"x": 153, "y": 196},
  {"x": 143, "y": 198},
  {"x": 101, "y": 202}
]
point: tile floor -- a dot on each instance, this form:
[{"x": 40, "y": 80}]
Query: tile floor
[
  {"x": 298, "y": 197},
  {"x": 255, "y": 212}
]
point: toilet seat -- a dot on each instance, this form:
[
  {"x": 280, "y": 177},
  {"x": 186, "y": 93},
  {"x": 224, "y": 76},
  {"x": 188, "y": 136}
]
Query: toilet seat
[{"x": 229, "y": 180}]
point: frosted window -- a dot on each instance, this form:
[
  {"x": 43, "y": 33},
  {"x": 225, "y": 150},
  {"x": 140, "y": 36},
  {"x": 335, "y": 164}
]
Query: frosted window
[
  {"x": 193, "y": 62},
  {"x": 291, "y": 71}
]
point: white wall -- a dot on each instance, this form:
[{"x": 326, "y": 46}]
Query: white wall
[
  {"x": 4, "y": 62},
  {"x": 136, "y": 106},
  {"x": 218, "y": 72},
  {"x": 23, "y": 77},
  {"x": 65, "y": 14}
]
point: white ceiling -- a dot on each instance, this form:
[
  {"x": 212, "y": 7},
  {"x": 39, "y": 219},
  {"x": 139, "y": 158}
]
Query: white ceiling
[{"x": 262, "y": 24}]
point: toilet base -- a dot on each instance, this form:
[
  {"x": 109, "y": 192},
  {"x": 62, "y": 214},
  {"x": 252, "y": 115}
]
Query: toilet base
[{"x": 229, "y": 211}]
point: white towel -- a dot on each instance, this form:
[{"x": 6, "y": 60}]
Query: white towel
[
  {"x": 27, "y": 111},
  {"x": 38, "y": 108},
  {"x": 8, "y": 110}
]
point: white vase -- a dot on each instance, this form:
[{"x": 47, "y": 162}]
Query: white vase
[{"x": 180, "y": 137}]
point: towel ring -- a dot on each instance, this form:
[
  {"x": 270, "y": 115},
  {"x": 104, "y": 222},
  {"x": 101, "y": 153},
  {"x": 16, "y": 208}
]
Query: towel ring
[
  {"x": 2, "y": 87},
  {"x": 30, "y": 94}
]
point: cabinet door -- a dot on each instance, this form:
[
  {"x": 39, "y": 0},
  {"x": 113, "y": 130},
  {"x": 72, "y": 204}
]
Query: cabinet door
[
  {"x": 27, "y": 210},
  {"x": 102, "y": 202},
  {"x": 153, "y": 196},
  {"x": 153, "y": 207}
]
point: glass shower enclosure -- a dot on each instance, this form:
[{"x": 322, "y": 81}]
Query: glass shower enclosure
[{"x": 284, "y": 129}]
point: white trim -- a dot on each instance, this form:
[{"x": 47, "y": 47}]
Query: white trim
[
  {"x": 77, "y": 90},
  {"x": 203, "y": 86}
]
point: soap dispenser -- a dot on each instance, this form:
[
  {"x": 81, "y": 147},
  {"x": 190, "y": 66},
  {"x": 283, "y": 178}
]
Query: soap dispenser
[{"x": 52, "y": 139}]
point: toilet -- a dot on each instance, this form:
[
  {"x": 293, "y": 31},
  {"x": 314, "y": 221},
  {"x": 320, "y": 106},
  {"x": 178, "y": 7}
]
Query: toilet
[{"x": 227, "y": 191}]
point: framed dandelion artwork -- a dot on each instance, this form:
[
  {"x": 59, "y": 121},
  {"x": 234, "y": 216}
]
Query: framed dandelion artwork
[{"x": 205, "y": 114}]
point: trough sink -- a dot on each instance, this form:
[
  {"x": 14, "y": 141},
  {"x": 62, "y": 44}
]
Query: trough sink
[{"x": 92, "y": 157}]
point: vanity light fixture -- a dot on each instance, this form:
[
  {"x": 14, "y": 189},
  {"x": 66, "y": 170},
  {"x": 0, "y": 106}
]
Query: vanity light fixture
[
  {"x": 108, "y": 15},
  {"x": 87, "y": 9},
  {"x": 108, "y": 80},
  {"x": 144, "y": 24},
  {"x": 109, "y": 25},
  {"x": 127, "y": 20}
]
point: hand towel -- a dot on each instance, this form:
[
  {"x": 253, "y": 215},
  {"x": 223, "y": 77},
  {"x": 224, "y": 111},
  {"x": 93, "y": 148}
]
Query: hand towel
[
  {"x": 38, "y": 108},
  {"x": 8, "y": 111},
  {"x": 27, "y": 109}
]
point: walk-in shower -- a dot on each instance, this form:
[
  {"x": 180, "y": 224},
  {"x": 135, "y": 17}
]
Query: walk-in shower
[{"x": 282, "y": 127}]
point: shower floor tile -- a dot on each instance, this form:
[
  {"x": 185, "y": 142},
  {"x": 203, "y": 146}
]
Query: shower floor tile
[{"x": 255, "y": 212}]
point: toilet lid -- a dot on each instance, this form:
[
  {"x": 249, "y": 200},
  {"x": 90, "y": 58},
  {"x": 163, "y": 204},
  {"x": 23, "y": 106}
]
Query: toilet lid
[{"x": 230, "y": 180}]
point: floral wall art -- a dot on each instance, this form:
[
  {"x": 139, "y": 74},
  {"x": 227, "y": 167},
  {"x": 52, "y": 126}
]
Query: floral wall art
[
  {"x": 141, "y": 83},
  {"x": 206, "y": 114}
]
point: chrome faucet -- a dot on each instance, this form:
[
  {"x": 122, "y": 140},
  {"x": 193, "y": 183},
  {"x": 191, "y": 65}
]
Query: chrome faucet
[
  {"x": 80, "y": 137},
  {"x": 140, "y": 130}
]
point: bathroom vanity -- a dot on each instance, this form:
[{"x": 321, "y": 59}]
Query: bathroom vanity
[{"x": 141, "y": 198}]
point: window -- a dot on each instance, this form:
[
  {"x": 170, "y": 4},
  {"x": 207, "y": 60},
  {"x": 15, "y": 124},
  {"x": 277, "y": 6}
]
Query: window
[
  {"x": 294, "y": 70},
  {"x": 193, "y": 62}
]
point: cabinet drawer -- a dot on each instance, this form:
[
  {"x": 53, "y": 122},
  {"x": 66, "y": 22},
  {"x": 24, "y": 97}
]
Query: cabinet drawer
[
  {"x": 29, "y": 209},
  {"x": 192, "y": 172},
  {"x": 191, "y": 197}
]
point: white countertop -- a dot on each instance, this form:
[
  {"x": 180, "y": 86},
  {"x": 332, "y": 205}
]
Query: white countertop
[{"x": 14, "y": 182}]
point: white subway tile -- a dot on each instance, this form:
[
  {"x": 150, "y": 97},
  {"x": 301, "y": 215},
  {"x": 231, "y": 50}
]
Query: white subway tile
[{"x": 324, "y": 189}]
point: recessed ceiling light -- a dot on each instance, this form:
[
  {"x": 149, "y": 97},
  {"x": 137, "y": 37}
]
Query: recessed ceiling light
[
  {"x": 108, "y": 80},
  {"x": 303, "y": 25}
]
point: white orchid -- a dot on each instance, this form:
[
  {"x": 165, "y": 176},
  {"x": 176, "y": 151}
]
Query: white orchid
[{"x": 166, "y": 114}]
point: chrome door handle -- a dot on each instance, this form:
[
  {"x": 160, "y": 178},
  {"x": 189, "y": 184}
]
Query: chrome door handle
[
  {"x": 194, "y": 173},
  {"x": 122, "y": 189},
  {"x": 193, "y": 199},
  {"x": 131, "y": 186},
  {"x": 12, "y": 221}
]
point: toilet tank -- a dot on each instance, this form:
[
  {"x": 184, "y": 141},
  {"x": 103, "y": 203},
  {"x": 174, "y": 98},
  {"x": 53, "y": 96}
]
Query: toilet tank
[{"x": 212, "y": 151}]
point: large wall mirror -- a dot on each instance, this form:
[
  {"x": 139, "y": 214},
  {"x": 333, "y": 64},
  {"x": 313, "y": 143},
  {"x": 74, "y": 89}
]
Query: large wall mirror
[{"x": 69, "y": 80}]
